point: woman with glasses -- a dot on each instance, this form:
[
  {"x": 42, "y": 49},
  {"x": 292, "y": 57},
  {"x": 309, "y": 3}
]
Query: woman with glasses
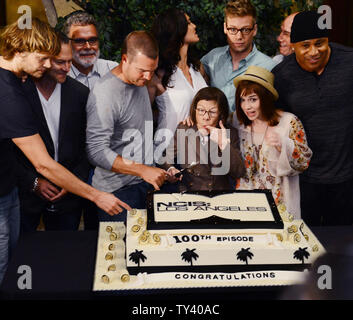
[
  {"x": 272, "y": 142},
  {"x": 179, "y": 74},
  {"x": 207, "y": 152}
]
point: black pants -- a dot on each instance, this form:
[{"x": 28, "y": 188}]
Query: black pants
[
  {"x": 327, "y": 204},
  {"x": 68, "y": 219},
  {"x": 90, "y": 210}
]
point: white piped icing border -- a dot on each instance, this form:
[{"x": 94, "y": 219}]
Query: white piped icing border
[{"x": 119, "y": 279}]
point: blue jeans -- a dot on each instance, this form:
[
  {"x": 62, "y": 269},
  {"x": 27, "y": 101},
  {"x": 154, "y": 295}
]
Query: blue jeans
[
  {"x": 134, "y": 195},
  {"x": 9, "y": 227}
]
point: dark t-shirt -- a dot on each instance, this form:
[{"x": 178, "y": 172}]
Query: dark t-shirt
[
  {"x": 16, "y": 120},
  {"x": 324, "y": 104}
]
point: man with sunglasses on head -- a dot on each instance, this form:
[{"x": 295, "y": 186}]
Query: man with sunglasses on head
[
  {"x": 223, "y": 64},
  {"x": 86, "y": 67}
]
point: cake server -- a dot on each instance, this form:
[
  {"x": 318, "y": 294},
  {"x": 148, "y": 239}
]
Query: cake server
[{"x": 193, "y": 164}]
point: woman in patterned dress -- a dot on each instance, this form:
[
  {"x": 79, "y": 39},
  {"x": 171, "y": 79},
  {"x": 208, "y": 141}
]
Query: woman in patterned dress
[{"x": 273, "y": 142}]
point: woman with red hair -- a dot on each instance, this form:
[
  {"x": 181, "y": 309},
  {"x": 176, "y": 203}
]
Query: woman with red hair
[{"x": 272, "y": 142}]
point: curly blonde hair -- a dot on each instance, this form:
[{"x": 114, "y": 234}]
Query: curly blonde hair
[
  {"x": 41, "y": 37},
  {"x": 239, "y": 8}
]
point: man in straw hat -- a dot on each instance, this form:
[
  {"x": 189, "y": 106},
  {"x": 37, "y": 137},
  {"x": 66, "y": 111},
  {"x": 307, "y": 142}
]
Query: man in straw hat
[
  {"x": 273, "y": 155},
  {"x": 316, "y": 84}
]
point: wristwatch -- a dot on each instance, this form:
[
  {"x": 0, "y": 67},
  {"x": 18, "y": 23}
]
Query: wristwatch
[{"x": 35, "y": 184}]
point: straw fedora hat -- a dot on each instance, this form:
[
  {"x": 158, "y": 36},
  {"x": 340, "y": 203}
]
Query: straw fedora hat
[{"x": 259, "y": 75}]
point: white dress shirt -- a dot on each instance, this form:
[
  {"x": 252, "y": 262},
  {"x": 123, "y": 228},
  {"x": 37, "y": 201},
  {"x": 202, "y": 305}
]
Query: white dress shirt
[
  {"x": 100, "y": 68},
  {"x": 51, "y": 110}
]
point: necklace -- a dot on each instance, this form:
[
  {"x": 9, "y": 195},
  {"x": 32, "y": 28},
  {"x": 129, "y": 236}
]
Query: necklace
[{"x": 256, "y": 154}]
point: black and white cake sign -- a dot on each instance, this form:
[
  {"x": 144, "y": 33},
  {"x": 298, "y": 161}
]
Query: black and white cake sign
[{"x": 185, "y": 207}]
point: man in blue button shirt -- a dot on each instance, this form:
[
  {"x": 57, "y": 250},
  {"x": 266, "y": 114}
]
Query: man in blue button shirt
[{"x": 223, "y": 64}]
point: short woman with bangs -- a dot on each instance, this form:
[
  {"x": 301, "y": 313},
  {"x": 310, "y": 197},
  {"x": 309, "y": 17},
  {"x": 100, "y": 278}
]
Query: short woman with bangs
[
  {"x": 179, "y": 75},
  {"x": 199, "y": 147},
  {"x": 272, "y": 142}
]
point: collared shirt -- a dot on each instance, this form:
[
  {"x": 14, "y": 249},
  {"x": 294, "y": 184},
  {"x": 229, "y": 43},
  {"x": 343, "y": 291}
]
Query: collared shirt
[
  {"x": 278, "y": 58},
  {"x": 324, "y": 104},
  {"x": 218, "y": 65},
  {"x": 100, "y": 68},
  {"x": 51, "y": 109}
]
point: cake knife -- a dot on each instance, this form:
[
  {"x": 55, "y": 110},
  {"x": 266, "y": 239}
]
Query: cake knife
[{"x": 193, "y": 164}]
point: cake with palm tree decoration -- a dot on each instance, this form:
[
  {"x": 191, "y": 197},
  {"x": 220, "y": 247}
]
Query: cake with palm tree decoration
[
  {"x": 189, "y": 255},
  {"x": 217, "y": 232},
  {"x": 221, "y": 246},
  {"x": 244, "y": 255}
]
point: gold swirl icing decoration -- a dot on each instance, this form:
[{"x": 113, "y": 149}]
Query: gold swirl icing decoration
[
  {"x": 292, "y": 229},
  {"x": 133, "y": 212},
  {"x": 156, "y": 238},
  {"x": 105, "y": 279},
  {"x": 125, "y": 277},
  {"x": 285, "y": 215},
  {"x": 315, "y": 248},
  {"x": 112, "y": 267},
  {"x": 143, "y": 239},
  {"x": 114, "y": 236},
  {"x": 135, "y": 228},
  {"x": 109, "y": 256}
]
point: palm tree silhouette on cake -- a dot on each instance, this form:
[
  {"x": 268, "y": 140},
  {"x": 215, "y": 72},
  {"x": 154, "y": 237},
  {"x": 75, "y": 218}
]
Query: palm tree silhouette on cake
[
  {"x": 244, "y": 255},
  {"x": 188, "y": 255},
  {"x": 137, "y": 256},
  {"x": 301, "y": 254}
]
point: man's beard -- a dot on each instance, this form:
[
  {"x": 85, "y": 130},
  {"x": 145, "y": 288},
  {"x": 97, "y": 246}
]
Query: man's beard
[{"x": 83, "y": 61}]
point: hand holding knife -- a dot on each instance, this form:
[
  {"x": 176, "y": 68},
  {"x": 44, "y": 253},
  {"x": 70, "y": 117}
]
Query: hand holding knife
[{"x": 193, "y": 164}]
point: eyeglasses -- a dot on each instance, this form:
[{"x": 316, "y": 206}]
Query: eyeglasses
[
  {"x": 244, "y": 31},
  {"x": 81, "y": 41},
  {"x": 211, "y": 114}
]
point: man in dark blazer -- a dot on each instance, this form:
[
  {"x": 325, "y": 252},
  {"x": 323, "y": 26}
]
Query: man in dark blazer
[{"x": 59, "y": 103}]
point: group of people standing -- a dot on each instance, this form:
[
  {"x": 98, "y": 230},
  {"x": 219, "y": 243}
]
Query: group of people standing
[{"x": 224, "y": 121}]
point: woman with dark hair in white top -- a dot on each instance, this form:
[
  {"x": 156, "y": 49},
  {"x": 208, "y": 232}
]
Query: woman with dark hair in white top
[{"x": 179, "y": 75}]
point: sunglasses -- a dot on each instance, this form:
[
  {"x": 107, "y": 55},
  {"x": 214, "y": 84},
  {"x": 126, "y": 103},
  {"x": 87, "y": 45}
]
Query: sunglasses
[{"x": 81, "y": 41}]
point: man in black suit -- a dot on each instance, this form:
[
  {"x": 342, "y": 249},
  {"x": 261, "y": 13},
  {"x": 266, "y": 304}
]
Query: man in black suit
[{"x": 59, "y": 103}]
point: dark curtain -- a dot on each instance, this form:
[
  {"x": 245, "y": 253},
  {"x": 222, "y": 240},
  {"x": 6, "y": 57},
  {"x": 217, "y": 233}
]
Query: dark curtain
[
  {"x": 342, "y": 21},
  {"x": 2, "y": 13}
]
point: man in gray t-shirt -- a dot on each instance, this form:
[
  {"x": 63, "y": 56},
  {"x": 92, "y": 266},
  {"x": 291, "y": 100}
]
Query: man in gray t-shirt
[{"x": 120, "y": 129}]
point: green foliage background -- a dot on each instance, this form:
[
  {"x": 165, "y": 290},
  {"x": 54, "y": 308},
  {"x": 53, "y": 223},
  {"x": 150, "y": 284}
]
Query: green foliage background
[{"x": 116, "y": 18}]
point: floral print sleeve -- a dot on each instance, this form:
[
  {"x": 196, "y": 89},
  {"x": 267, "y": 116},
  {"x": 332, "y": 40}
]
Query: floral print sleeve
[
  {"x": 301, "y": 154},
  {"x": 277, "y": 170}
]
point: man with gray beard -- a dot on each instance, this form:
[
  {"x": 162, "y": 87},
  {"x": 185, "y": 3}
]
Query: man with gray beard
[{"x": 86, "y": 67}]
